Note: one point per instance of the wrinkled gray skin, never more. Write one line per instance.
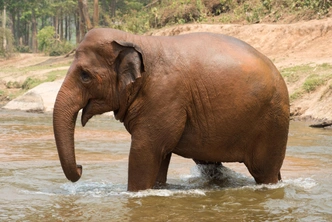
(209, 97)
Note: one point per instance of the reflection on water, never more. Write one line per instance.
(33, 187)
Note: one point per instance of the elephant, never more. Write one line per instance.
(205, 96)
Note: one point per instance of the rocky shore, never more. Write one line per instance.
(38, 99)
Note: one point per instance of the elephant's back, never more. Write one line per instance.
(232, 85)
(225, 64)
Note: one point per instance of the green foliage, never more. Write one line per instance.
(30, 83)
(296, 95)
(60, 48)
(292, 74)
(46, 38)
(13, 85)
(178, 12)
(139, 16)
(311, 77)
(312, 82)
(23, 48)
(217, 7)
(56, 74)
(319, 6)
(50, 45)
(133, 16)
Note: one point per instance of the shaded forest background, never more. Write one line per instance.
(57, 26)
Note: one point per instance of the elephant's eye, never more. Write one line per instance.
(85, 77)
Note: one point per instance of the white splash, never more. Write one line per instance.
(304, 183)
(165, 193)
(198, 183)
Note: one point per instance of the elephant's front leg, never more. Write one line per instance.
(144, 164)
(154, 137)
(162, 175)
(150, 154)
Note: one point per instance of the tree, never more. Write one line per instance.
(113, 8)
(34, 31)
(95, 13)
(25, 18)
(4, 45)
(85, 23)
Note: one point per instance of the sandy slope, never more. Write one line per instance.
(286, 45)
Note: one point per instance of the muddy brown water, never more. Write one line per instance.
(33, 187)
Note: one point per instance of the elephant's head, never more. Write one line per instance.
(104, 76)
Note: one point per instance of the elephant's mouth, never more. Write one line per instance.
(95, 107)
(86, 113)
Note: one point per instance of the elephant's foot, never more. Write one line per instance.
(265, 174)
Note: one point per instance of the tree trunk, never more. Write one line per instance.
(85, 23)
(321, 125)
(13, 26)
(18, 28)
(34, 32)
(61, 24)
(26, 34)
(113, 8)
(77, 24)
(95, 13)
(69, 27)
(4, 43)
(56, 25)
(66, 28)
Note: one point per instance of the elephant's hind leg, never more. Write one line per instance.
(265, 159)
(265, 166)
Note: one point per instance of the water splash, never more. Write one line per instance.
(199, 182)
(95, 189)
(165, 193)
(304, 183)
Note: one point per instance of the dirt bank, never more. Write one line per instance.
(303, 46)
(28, 70)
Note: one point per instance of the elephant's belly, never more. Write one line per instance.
(211, 149)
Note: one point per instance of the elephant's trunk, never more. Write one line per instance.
(64, 119)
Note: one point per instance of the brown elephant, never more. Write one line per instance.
(205, 96)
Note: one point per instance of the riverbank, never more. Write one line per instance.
(299, 50)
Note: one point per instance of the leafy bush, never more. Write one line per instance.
(296, 95)
(29, 83)
(217, 7)
(316, 5)
(312, 82)
(177, 12)
(140, 16)
(60, 48)
(46, 38)
(49, 44)
(13, 85)
(23, 48)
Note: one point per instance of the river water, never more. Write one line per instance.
(33, 186)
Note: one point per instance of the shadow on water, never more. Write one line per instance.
(33, 187)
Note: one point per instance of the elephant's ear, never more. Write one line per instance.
(129, 63)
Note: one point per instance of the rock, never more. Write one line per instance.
(38, 99)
